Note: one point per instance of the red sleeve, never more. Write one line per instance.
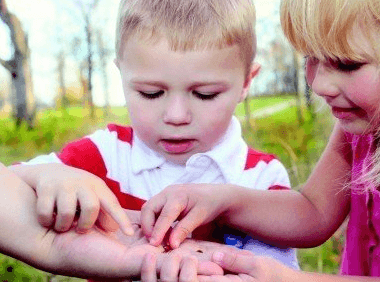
(84, 154)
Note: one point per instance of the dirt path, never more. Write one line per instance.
(264, 112)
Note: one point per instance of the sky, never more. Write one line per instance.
(49, 23)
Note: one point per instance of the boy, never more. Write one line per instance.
(185, 65)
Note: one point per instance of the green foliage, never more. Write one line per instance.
(297, 146)
(53, 129)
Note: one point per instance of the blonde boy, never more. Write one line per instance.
(184, 65)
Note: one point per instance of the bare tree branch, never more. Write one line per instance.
(7, 64)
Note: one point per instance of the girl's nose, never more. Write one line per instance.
(325, 81)
(177, 110)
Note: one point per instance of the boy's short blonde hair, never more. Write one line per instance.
(324, 28)
(189, 24)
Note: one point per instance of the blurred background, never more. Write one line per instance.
(58, 83)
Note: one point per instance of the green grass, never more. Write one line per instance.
(257, 103)
(297, 145)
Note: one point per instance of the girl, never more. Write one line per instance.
(341, 42)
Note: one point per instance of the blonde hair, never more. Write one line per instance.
(324, 28)
(189, 24)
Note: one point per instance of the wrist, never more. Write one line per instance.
(286, 274)
(231, 204)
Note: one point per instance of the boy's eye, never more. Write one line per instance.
(345, 65)
(204, 96)
(151, 95)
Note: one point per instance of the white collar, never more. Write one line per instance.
(143, 157)
(229, 154)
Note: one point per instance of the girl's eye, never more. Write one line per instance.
(345, 65)
(151, 95)
(202, 96)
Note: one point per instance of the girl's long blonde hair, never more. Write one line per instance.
(325, 28)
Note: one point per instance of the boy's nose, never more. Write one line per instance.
(325, 82)
(177, 111)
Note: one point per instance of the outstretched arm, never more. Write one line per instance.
(281, 218)
(244, 266)
(90, 255)
(291, 218)
(96, 254)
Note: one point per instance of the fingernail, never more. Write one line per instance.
(175, 244)
(217, 257)
(152, 241)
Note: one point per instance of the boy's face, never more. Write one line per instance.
(181, 103)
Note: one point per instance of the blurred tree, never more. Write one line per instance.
(295, 71)
(309, 100)
(73, 96)
(19, 67)
(103, 56)
(61, 80)
(87, 9)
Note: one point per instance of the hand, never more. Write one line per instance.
(175, 269)
(192, 258)
(245, 266)
(75, 192)
(192, 204)
(95, 254)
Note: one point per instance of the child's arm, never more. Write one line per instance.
(291, 218)
(285, 218)
(64, 192)
(95, 254)
(248, 267)
(22, 237)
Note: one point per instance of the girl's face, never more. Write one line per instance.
(351, 89)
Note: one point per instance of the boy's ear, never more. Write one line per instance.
(254, 71)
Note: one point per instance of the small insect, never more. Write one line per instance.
(165, 241)
(200, 251)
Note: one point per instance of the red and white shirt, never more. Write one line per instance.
(135, 173)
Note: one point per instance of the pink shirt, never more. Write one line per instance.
(362, 251)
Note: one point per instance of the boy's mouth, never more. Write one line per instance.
(177, 146)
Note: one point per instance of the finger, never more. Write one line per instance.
(185, 226)
(148, 213)
(237, 278)
(110, 204)
(212, 278)
(234, 262)
(148, 268)
(170, 268)
(209, 268)
(106, 222)
(167, 217)
(66, 208)
(45, 209)
(89, 210)
(189, 269)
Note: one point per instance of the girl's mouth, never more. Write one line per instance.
(346, 113)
